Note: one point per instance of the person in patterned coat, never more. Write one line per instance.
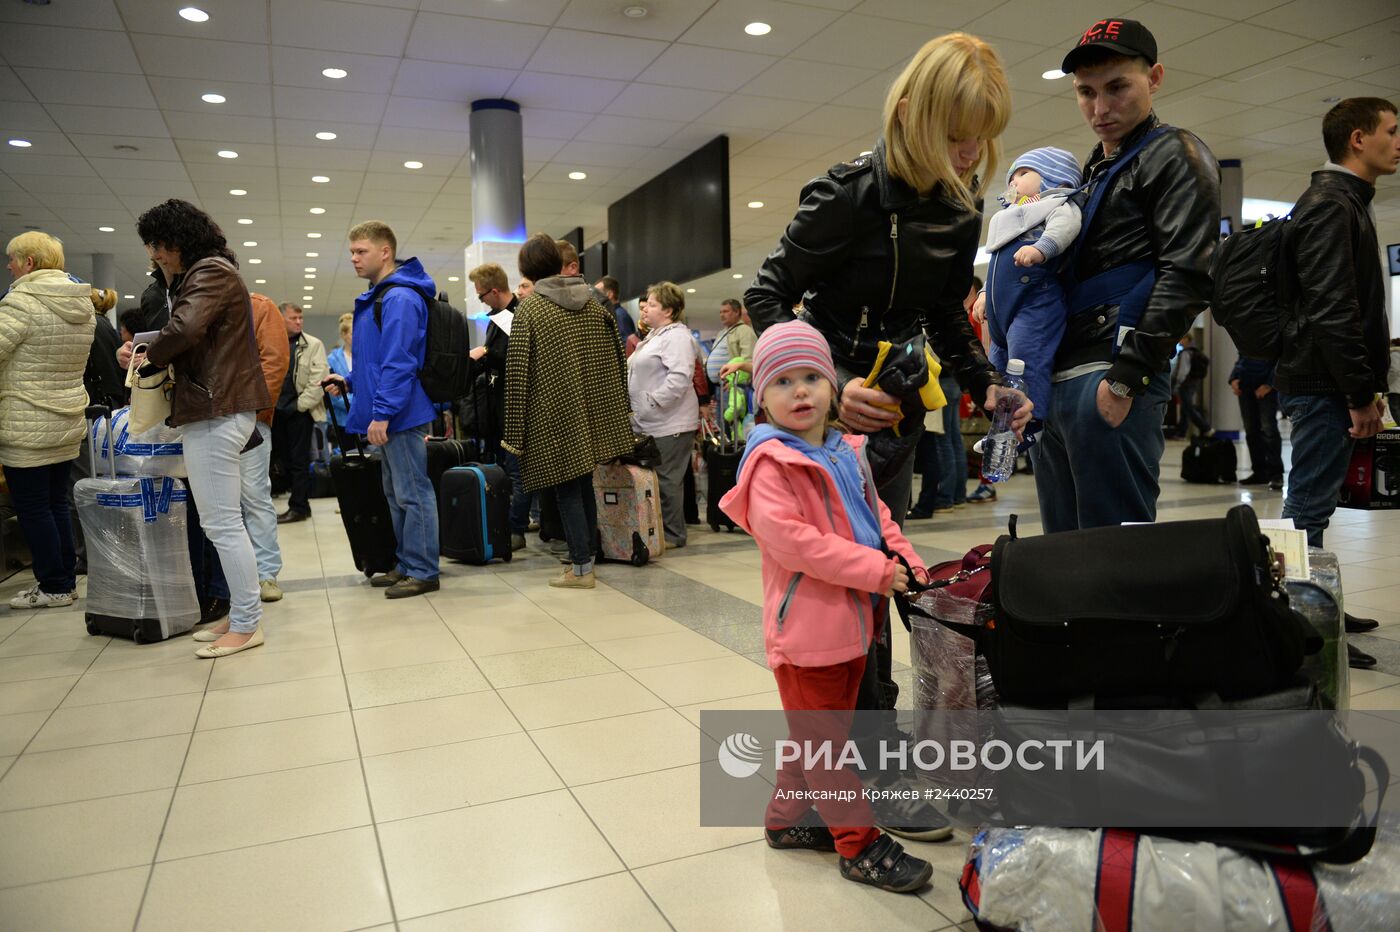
(566, 397)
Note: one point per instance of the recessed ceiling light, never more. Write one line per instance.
(755, 204)
(309, 268)
(738, 274)
(634, 12)
(325, 137)
(309, 275)
(320, 179)
(577, 176)
(259, 281)
(250, 243)
(454, 278)
(318, 210)
(227, 154)
(237, 192)
(255, 262)
(213, 98)
(1054, 74)
(129, 297)
(21, 143)
(313, 255)
(758, 29)
(412, 164)
(106, 229)
(313, 236)
(334, 73)
(194, 14)
(690, 291)
(245, 221)
(308, 287)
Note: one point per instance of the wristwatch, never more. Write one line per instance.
(1121, 389)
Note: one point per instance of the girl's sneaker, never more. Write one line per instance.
(885, 864)
(34, 597)
(809, 833)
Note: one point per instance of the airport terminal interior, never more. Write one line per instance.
(500, 754)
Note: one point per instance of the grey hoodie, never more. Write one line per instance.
(571, 293)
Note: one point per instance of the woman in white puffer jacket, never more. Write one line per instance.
(46, 328)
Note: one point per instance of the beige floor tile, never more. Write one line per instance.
(5, 763)
(1364, 681)
(754, 887)
(78, 904)
(401, 652)
(66, 663)
(420, 681)
(603, 904)
(66, 776)
(656, 650)
(767, 701)
(1357, 579)
(364, 631)
(272, 702)
(35, 695)
(265, 808)
(119, 721)
(51, 842)
(49, 641)
(450, 776)
(297, 637)
(484, 640)
(254, 668)
(439, 862)
(269, 747)
(1386, 698)
(578, 700)
(587, 752)
(466, 615)
(564, 604)
(523, 668)
(622, 625)
(655, 817)
(704, 680)
(427, 722)
(328, 882)
(17, 729)
(145, 683)
(120, 654)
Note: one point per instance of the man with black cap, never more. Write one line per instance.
(1135, 279)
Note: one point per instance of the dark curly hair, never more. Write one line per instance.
(179, 225)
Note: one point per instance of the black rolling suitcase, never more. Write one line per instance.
(358, 478)
(1210, 460)
(444, 454)
(722, 468)
(474, 514)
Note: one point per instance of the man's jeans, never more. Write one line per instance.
(212, 450)
(926, 464)
(1088, 474)
(1188, 392)
(1321, 451)
(578, 513)
(952, 458)
(259, 514)
(519, 500)
(1260, 418)
(412, 503)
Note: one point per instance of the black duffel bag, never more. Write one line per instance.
(1182, 608)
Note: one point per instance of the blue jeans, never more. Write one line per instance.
(578, 512)
(1260, 418)
(926, 463)
(952, 458)
(1088, 474)
(40, 498)
(1321, 452)
(412, 502)
(519, 500)
(259, 514)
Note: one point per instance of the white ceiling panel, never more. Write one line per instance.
(86, 14)
(538, 12)
(249, 154)
(370, 74)
(466, 40)
(441, 81)
(535, 150)
(348, 135)
(201, 60)
(945, 14)
(594, 55)
(423, 113)
(257, 180)
(630, 131)
(812, 81)
(18, 117)
(674, 103)
(754, 112)
(665, 19)
(52, 86)
(241, 97)
(11, 87)
(1322, 19)
(304, 103)
(579, 154)
(859, 38)
(1025, 21)
(836, 122)
(218, 127)
(1236, 46)
(229, 20)
(553, 124)
(325, 159)
(722, 26)
(296, 188)
(67, 49)
(430, 145)
(107, 121)
(340, 27)
(58, 187)
(707, 68)
(118, 170)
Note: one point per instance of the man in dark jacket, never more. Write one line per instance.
(1336, 354)
(1137, 278)
(1252, 381)
(488, 395)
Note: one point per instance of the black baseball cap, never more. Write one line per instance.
(1124, 36)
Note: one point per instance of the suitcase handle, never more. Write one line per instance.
(330, 413)
(95, 413)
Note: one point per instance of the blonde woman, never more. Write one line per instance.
(46, 328)
(660, 381)
(341, 361)
(881, 248)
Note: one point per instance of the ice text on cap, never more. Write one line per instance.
(1103, 29)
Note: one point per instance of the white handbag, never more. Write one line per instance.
(151, 395)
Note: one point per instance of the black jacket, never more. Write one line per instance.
(1338, 339)
(104, 378)
(1163, 208)
(870, 259)
(483, 410)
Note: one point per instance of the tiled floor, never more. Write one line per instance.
(498, 755)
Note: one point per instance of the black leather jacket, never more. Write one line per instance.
(869, 259)
(1163, 208)
(1338, 338)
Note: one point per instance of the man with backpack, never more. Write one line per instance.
(390, 406)
(1188, 375)
(1135, 279)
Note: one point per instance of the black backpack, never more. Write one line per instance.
(1200, 365)
(1252, 293)
(446, 374)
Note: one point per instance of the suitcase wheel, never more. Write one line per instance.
(640, 553)
(92, 627)
(137, 635)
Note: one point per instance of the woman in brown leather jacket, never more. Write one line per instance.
(219, 388)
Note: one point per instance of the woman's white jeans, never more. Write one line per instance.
(212, 458)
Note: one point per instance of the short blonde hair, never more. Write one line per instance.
(376, 232)
(956, 89)
(489, 276)
(347, 324)
(103, 300)
(45, 250)
(669, 296)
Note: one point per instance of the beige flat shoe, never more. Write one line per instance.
(208, 634)
(209, 653)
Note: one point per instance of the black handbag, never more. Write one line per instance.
(1177, 609)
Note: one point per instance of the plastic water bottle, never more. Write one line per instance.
(999, 446)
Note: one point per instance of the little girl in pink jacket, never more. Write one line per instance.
(806, 494)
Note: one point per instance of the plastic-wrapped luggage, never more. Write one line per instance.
(140, 585)
(160, 451)
(1319, 600)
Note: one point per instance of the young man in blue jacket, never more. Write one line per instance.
(389, 405)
